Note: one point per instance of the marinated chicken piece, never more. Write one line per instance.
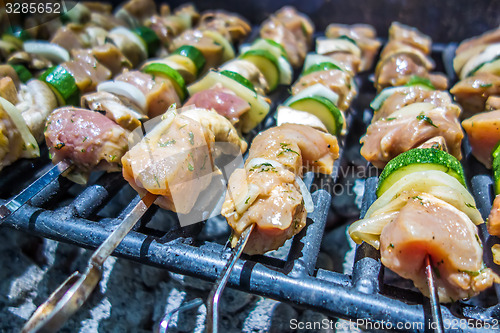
(211, 50)
(227, 24)
(336, 80)
(249, 71)
(493, 222)
(175, 159)
(266, 192)
(8, 90)
(159, 92)
(222, 100)
(493, 103)
(483, 131)
(87, 139)
(388, 137)
(365, 37)
(71, 36)
(36, 102)
(292, 30)
(473, 92)
(410, 95)
(410, 36)
(87, 71)
(349, 62)
(119, 109)
(138, 10)
(489, 37)
(399, 70)
(108, 55)
(429, 226)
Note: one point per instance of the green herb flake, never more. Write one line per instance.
(191, 138)
(285, 149)
(426, 119)
(60, 145)
(168, 143)
(486, 85)
(247, 200)
(84, 139)
(391, 246)
(436, 272)
(83, 150)
(470, 205)
(113, 157)
(190, 167)
(390, 119)
(471, 273)
(156, 179)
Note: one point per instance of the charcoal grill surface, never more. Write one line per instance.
(71, 214)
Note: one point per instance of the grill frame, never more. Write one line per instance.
(295, 280)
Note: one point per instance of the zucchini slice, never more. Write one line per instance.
(419, 159)
(63, 84)
(193, 54)
(171, 74)
(324, 109)
(267, 63)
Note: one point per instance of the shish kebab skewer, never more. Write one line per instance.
(267, 201)
(161, 135)
(126, 110)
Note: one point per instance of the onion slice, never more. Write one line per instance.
(306, 195)
(30, 149)
(125, 89)
(51, 51)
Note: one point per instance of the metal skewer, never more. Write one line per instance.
(220, 284)
(435, 307)
(70, 296)
(19, 200)
(165, 321)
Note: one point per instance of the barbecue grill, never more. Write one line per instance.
(364, 294)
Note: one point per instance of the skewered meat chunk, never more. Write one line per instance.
(159, 92)
(119, 109)
(222, 100)
(364, 36)
(8, 90)
(229, 25)
(175, 159)
(86, 138)
(410, 95)
(87, 71)
(494, 218)
(211, 50)
(292, 30)
(266, 192)
(108, 55)
(336, 80)
(429, 226)
(483, 131)
(408, 128)
(473, 92)
(410, 36)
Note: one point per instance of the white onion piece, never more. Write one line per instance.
(247, 201)
(132, 37)
(317, 89)
(286, 71)
(490, 53)
(306, 195)
(29, 141)
(125, 89)
(51, 51)
(370, 228)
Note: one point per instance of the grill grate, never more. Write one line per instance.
(295, 280)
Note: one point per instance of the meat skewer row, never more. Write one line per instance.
(304, 140)
(325, 83)
(86, 141)
(412, 109)
(170, 144)
(85, 73)
(425, 210)
(476, 63)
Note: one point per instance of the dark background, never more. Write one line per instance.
(443, 20)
